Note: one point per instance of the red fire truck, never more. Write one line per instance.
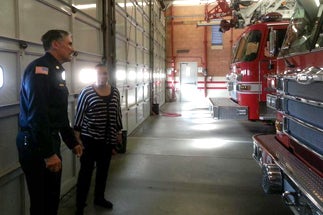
(292, 159)
(251, 64)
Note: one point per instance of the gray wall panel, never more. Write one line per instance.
(120, 23)
(140, 94)
(8, 18)
(132, 120)
(139, 37)
(70, 172)
(121, 4)
(146, 58)
(131, 31)
(121, 54)
(146, 110)
(93, 12)
(140, 74)
(87, 37)
(36, 18)
(131, 75)
(131, 97)
(11, 196)
(146, 92)
(131, 55)
(9, 91)
(8, 150)
(140, 113)
(134, 36)
(146, 6)
(28, 20)
(146, 24)
(139, 55)
(139, 16)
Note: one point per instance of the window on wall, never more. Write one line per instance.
(217, 42)
(1, 77)
(90, 7)
(87, 75)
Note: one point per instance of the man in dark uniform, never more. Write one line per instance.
(43, 119)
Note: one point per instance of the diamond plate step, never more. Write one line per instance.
(310, 183)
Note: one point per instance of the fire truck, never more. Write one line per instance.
(292, 159)
(251, 64)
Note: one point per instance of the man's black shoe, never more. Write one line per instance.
(79, 212)
(103, 203)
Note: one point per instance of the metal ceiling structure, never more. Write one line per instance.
(244, 12)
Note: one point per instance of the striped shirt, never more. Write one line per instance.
(99, 117)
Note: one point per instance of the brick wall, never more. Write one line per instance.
(188, 41)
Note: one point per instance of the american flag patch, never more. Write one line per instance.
(41, 70)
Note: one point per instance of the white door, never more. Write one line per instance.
(188, 80)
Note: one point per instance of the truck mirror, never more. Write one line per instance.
(272, 42)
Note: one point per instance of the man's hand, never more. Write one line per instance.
(119, 138)
(53, 163)
(78, 150)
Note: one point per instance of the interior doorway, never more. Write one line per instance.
(188, 80)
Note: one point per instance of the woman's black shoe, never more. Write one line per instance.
(103, 203)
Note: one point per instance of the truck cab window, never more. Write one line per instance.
(248, 47)
(319, 43)
(280, 35)
(238, 50)
(300, 32)
(251, 51)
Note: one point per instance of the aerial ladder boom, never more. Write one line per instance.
(249, 13)
(257, 10)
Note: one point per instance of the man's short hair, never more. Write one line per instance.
(52, 35)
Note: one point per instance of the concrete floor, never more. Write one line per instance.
(187, 165)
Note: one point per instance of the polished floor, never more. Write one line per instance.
(183, 162)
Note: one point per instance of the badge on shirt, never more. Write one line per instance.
(41, 70)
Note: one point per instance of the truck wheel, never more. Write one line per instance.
(271, 179)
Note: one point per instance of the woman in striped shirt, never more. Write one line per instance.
(98, 126)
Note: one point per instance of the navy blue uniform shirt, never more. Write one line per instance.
(43, 106)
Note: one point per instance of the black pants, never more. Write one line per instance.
(95, 153)
(43, 185)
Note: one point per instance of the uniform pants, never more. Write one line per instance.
(43, 185)
(95, 153)
(44, 188)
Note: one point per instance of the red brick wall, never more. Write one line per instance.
(187, 36)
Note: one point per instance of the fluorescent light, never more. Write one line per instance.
(130, 4)
(84, 6)
(123, 4)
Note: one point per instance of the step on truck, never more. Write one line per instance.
(251, 63)
(292, 159)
